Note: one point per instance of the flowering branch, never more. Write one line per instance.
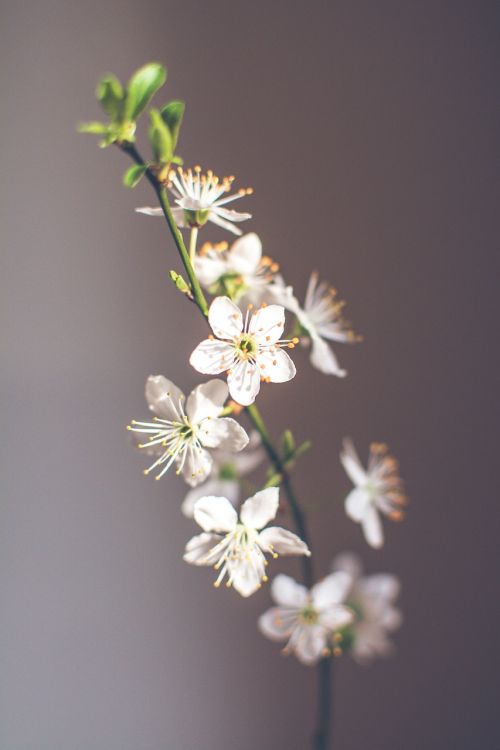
(200, 435)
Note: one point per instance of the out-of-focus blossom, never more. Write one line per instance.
(372, 598)
(377, 489)
(307, 619)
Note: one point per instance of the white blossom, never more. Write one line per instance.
(307, 619)
(377, 489)
(372, 598)
(237, 271)
(237, 547)
(187, 436)
(320, 321)
(227, 470)
(249, 350)
(200, 198)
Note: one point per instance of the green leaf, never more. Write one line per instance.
(160, 138)
(288, 444)
(172, 114)
(110, 93)
(133, 174)
(96, 128)
(143, 84)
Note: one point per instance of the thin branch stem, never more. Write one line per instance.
(322, 734)
(298, 517)
(192, 244)
(161, 194)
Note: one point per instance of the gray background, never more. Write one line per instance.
(368, 130)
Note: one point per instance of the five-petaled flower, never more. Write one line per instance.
(187, 435)
(378, 489)
(236, 272)
(237, 547)
(248, 350)
(200, 198)
(320, 321)
(372, 599)
(307, 619)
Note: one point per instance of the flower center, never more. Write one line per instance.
(237, 547)
(309, 615)
(246, 346)
(230, 285)
(186, 432)
(196, 216)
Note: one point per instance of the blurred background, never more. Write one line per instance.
(369, 133)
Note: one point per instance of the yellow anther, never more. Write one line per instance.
(396, 515)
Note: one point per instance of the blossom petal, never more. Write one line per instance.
(197, 465)
(225, 318)
(246, 575)
(331, 590)
(370, 642)
(372, 527)
(245, 461)
(206, 400)
(281, 294)
(197, 550)
(213, 217)
(381, 586)
(276, 365)
(288, 593)
(311, 290)
(282, 541)
(244, 382)
(230, 214)
(323, 358)
(209, 268)
(267, 324)
(337, 617)
(351, 463)
(309, 643)
(356, 504)
(212, 357)
(223, 433)
(214, 513)
(391, 618)
(222, 487)
(245, 254)
(149, 211)
(261, 508)
(277, 623)
(348, 562)
(163, 397)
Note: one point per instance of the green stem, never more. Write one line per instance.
(298, 517)
(161, 194)
(192, 244)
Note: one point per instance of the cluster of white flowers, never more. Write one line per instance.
(213, 452)
(256, 320)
